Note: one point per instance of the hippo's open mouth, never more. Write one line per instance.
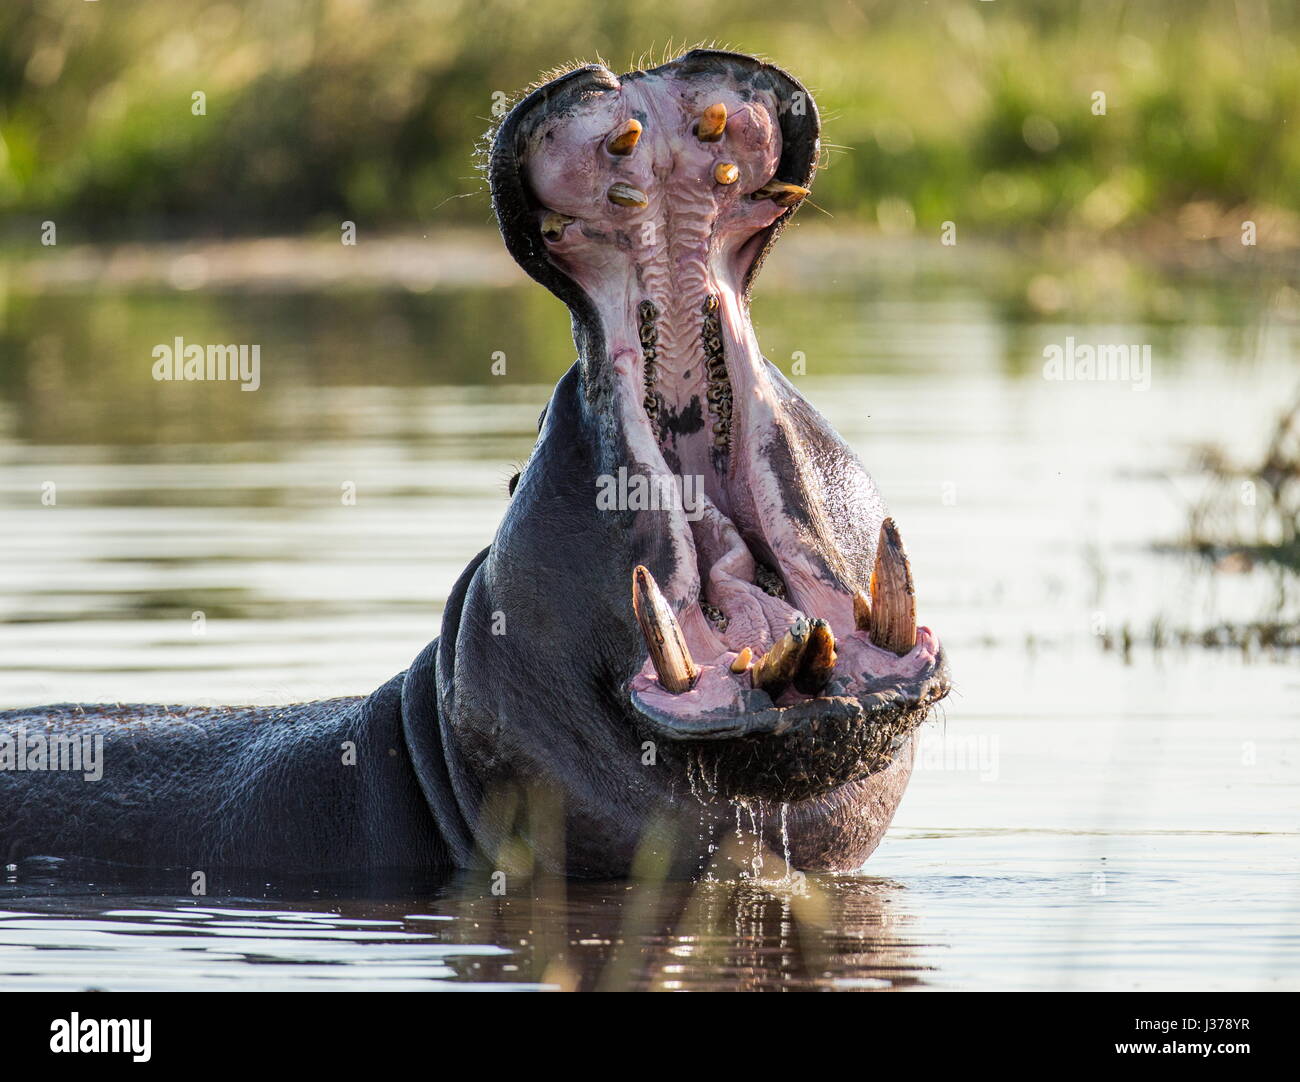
(780, 686)
(781, 650)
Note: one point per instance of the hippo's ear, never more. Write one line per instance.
(514, 205)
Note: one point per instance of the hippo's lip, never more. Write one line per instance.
(882, 707)
(807, 749)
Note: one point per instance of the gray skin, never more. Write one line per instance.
(534, 735)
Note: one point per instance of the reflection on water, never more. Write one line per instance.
(1081, 818)
(836, 933)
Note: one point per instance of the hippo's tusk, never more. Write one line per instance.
(742, 660)
(726, 173)
(818, 661)
(553, 225)
(673, 664)
(781, 193)
(893, 597)
(623, 141)
(627, 196)
(861, 610)
(775, 669)
(712, 123)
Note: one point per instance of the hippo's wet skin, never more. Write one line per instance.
(639, 663)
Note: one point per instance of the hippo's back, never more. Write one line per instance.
(323, 785)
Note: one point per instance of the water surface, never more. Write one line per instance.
(1082, 817)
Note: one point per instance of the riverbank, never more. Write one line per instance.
(1201, 240)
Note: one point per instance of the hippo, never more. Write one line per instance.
(695, 614)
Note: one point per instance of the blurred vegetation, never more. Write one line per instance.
(1251, 512)
(369, 110)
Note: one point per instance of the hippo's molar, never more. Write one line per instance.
(769, 581)
(715, 615)
(715, 362)
(649, 337)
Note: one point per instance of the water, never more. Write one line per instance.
(1082, 817)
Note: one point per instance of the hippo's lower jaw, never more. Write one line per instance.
(807, 749)
(772, 694)
(800, 746)
(762, 701)
(821, 707)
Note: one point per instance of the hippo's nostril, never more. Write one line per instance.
(781, 193)
(623, 140)
(726, 173)
(627, 196)
(712, 123)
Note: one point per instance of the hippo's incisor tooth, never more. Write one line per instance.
(673, 664)
(861, 610)
(627, 196)
(781, 193)
(818, 661)
(742, 660)
(623, 141)
(775, 669)
(553, 225)
(893, 597)
(726, 173)
(712, 123)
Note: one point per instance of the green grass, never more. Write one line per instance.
(369, 110)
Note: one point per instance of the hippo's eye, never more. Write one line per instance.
(512, 483)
